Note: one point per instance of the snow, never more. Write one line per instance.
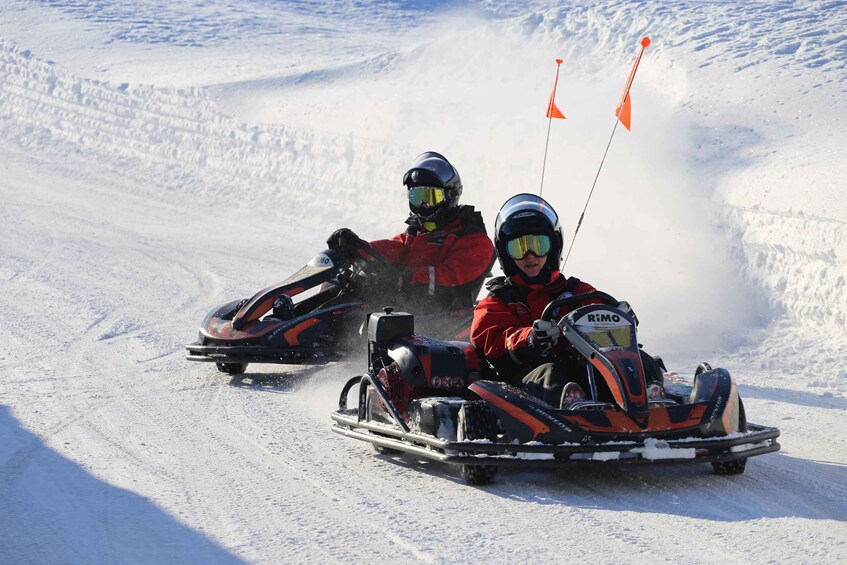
(158, 159)
(656, 449)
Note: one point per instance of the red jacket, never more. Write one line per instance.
(444, 268)
(503, 320)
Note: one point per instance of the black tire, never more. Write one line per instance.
(734, 467)
(729, 467)
(477, 421)
(231, 368)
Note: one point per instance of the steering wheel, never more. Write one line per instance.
(370, 255)
(558, 303)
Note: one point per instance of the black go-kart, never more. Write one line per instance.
(313, 317)
(431, 399)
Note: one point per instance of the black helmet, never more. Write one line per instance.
(432, 170)
(527, 214)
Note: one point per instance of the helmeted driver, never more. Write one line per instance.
(507, 328)
(440, 261)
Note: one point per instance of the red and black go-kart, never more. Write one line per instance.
(312, 317)
(426, 397)
(297, 321)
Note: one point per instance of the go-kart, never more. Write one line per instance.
(312, 317)
(431, 398)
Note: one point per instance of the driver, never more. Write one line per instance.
(506, 326)
(440, 262)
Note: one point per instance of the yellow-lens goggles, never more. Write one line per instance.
(420, 195)
(538, 245)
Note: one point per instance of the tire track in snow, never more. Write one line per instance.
(606, 505)
(306, 463)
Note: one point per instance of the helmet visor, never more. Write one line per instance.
(436, 165)
(520, 203)
(539, 245)
(420, 195)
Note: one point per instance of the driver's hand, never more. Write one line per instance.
(544, 336)
(346, 242)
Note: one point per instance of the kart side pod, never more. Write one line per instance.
(719, 391)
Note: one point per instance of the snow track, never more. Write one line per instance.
(129, 210)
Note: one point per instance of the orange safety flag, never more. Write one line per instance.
(552, 110)
(624, 109)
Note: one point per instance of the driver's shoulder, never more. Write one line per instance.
(581, 287)
(572, 285)
(504, 289)
(470, 220)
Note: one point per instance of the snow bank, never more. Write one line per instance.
(180, 138)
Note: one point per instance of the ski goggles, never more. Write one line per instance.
(420, 195)
(539, 245)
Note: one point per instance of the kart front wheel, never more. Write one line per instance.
(729, 467)
(733, 467)
(231, 368)
(477, 421)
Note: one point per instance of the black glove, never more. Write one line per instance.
(544, 336)
(345, 242)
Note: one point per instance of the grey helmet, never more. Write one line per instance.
(433, 170)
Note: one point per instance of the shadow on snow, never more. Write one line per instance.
(763, 491)
(55, 511)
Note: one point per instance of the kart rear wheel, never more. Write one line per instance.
(231, 368)
(477, 421)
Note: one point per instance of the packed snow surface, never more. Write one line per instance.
(160, 158)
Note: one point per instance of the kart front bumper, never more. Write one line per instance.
(758, 440)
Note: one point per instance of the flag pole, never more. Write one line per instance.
(552, 112)
(544, 163)
(597, 176)
(622, 115)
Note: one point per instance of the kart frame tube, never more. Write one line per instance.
(260, 354)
